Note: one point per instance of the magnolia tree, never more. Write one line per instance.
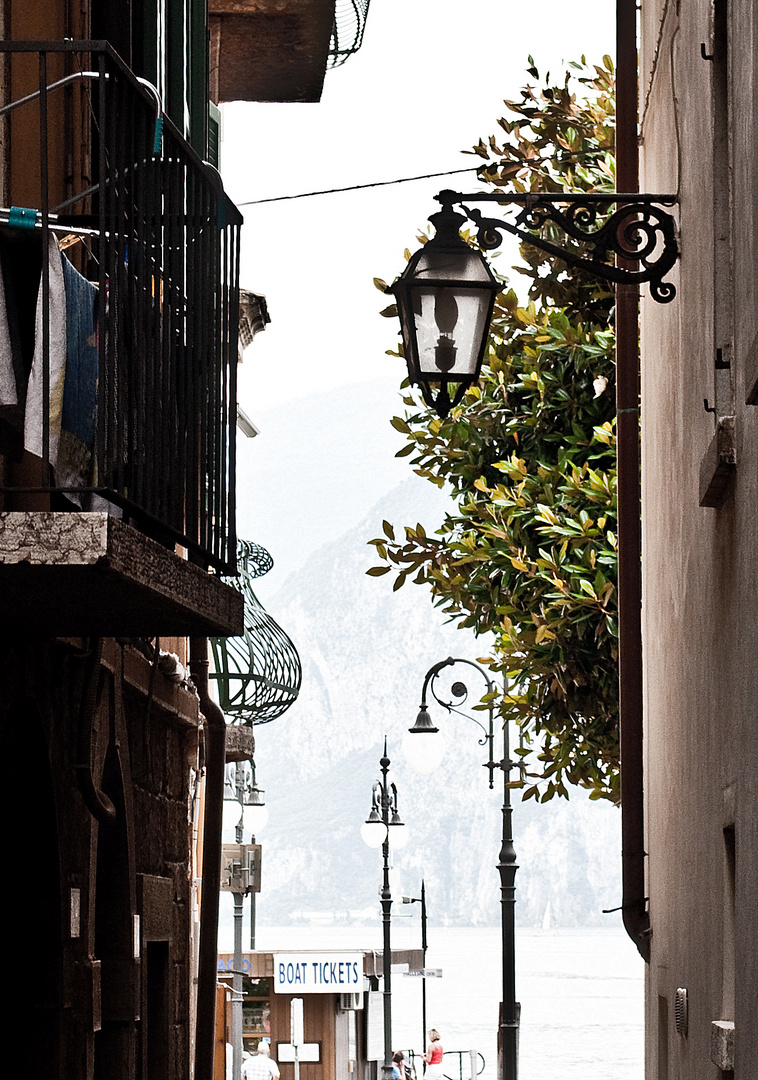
(528, 555)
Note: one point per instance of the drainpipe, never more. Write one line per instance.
(215, 750)
(634, 903)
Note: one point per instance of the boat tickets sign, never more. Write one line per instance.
(318, 973)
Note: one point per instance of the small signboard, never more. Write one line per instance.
(375, 1026)
(297, 1049)
(427, 973)
(318, 973)
(310, 1052)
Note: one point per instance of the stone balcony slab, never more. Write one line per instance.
(66, 574)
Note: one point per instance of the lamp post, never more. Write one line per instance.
(446, 294)
(384, 828)
(244, 810)
(423, 748)
(421, 900)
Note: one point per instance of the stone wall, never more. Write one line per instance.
(98, 749)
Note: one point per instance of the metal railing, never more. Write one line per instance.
(347, 33)
(160, 240)
(257, 675)
(456, 1064)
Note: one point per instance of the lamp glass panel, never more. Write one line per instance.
(424, 750)
(255, 818)
(463, 264)
(373, 833)
(406, 321)
(232, 814)
(398, 836)
(450, 324)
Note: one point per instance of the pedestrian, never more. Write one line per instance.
(261, 1066)
(398, 1065)
(433, 1056)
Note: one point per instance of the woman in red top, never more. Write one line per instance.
(433, 1056)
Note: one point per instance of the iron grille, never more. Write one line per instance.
(347, 34)
(258, 675)
(162, 245)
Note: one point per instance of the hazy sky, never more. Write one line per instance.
(428, 82)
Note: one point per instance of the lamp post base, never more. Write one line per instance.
(507, 1045)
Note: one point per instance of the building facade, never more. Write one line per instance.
(119, 282)
(698, 107)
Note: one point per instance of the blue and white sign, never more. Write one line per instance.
(318, 973)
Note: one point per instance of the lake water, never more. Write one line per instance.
(581, 994)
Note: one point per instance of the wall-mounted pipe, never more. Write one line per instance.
(215, 761)
(95, 799)
(634, 903)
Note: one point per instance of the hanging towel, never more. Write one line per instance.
(8, 390)
(33, 414)
(20, 267)
(75, 466)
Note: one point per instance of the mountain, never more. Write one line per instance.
(317, 467)
(365, 650)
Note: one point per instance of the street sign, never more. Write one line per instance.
(426, 973)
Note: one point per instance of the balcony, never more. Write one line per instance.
(269, 50)
(117, 420)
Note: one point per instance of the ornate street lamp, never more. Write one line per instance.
(244, 811)
(384, 828)
(445, 298)
(244, 802)
(420, 748)
(446, 294)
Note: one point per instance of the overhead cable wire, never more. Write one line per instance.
(359, 187)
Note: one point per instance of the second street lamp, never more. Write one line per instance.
(421, 900)
(423, 751)
(384, 828)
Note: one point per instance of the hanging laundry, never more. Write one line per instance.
(34, 411)
(20, 266)
(8, 393)
(75, 466)
(73, 359)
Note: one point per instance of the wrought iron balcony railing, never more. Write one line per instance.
(257, 675)
(149, 395)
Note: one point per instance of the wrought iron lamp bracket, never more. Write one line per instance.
(460, 692)
(639, 233)
(459, 712)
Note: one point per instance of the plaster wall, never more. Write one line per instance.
(700, 569)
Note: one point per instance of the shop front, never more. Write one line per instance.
(340, 1034)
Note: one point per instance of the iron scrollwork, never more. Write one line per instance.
(257, 675)
(639, 233)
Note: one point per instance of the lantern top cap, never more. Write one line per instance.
(448, 227)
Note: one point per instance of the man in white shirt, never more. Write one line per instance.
(260, 1066)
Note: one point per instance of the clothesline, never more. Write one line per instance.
(24, 217)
